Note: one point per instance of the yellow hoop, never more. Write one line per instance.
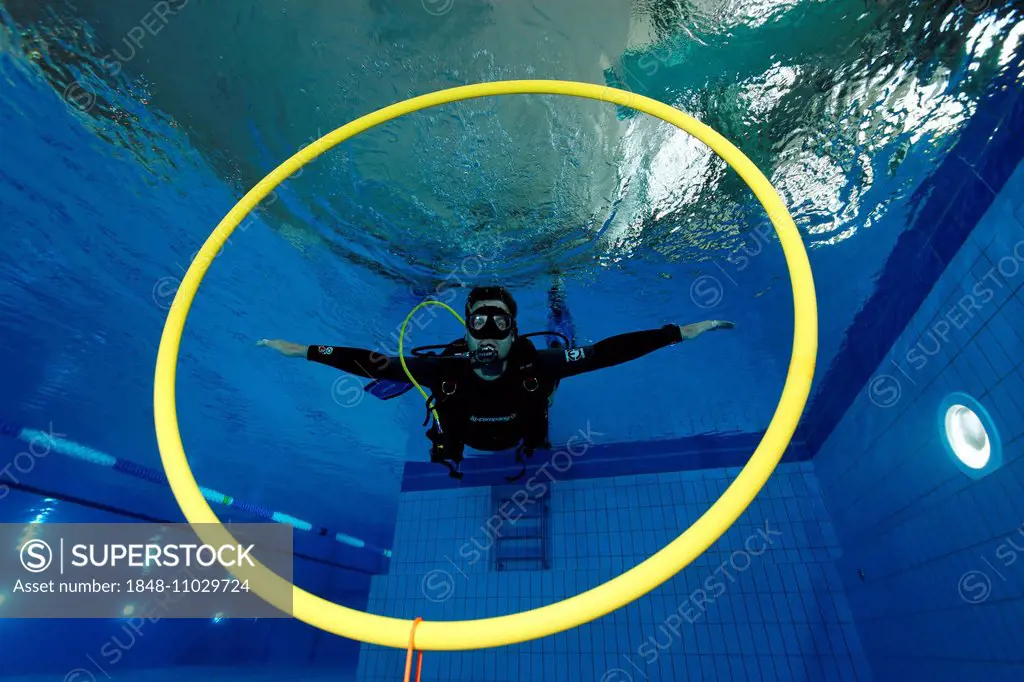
(596, 602)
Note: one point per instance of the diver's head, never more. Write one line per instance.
(490, 326)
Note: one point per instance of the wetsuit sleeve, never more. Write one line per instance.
(615, 350)
(373, 365)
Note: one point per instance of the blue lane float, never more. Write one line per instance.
(84, 453)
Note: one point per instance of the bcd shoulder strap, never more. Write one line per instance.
(446, 442)
(533, 405)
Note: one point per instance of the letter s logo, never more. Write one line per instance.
(36, 556)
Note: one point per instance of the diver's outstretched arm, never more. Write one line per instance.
(358, 361)
(622, 348)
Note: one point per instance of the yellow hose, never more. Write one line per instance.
(401, 342)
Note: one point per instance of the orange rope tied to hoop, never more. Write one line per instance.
(408, 656)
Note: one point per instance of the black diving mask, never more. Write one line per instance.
(490, 322)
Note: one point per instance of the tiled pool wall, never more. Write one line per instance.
(763, 603)
(933, 559)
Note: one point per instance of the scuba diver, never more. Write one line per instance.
(492, 389)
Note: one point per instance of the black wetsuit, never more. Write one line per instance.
(493, 422)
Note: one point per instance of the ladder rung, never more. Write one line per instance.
(521, 537)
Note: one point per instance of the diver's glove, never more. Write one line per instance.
(286, 348)
(692, 331)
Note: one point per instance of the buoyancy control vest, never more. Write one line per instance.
(453, 400)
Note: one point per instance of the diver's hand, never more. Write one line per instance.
(286, 348)
(692, 331)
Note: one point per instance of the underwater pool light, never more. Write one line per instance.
(967, 436)
(970, 436)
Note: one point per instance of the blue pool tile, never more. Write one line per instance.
(1005, 334)
(1003, 253)
(994, 352)
(986, 231)
(708, 670)
(1013, 311)
(1010, 491)
(1006, 400)
(980, 373)
(744, 668)
(830, 668)
(723, 669)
